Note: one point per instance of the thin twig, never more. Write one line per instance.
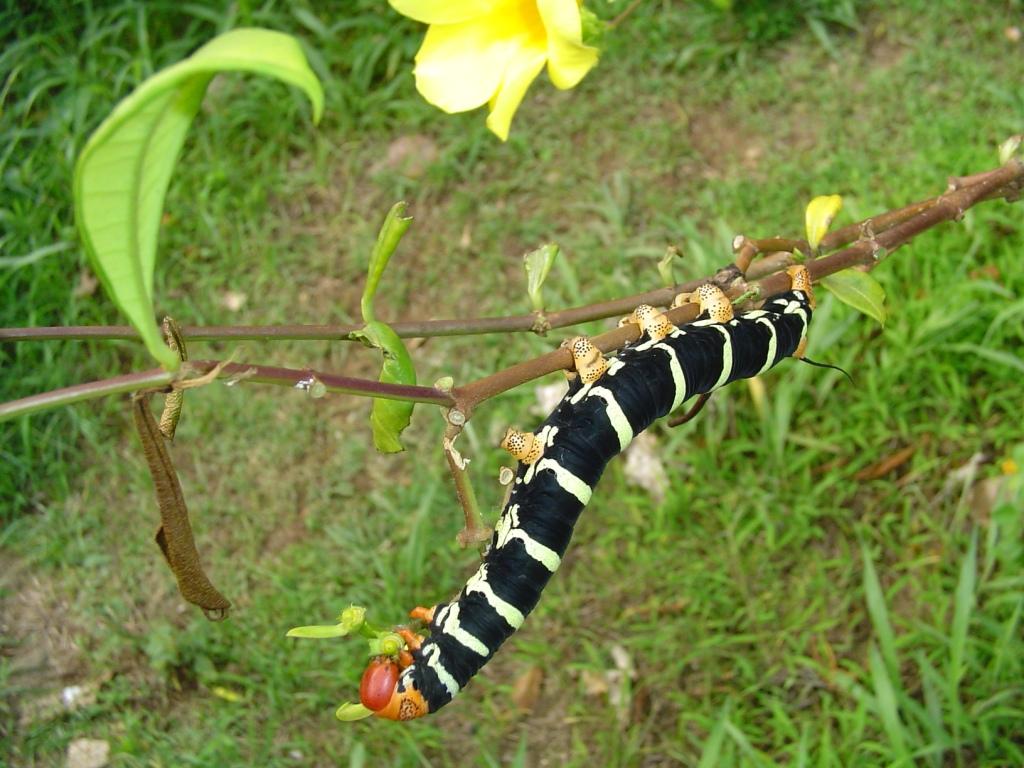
(475, 530)
(527, 323)
(315, 382)
(406, 330)
(946, 207)
(900, 227)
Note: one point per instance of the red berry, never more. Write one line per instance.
(378, 683)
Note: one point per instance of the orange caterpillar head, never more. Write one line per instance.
(378, 691)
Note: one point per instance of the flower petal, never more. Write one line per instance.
(443, 11)
(568, 59)
(522, 70)
(460, 66)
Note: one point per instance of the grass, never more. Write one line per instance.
(773, 609)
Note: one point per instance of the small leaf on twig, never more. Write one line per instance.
(860, 290)
(818, 217)
(391, 231)
(318, 631)
(538, 264)
(665, 270)
(389, 417)
(122, 174)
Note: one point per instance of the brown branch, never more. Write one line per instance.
(1006, 180)
(877, 235)
(406, 330)
(746, 249)
(308, 380)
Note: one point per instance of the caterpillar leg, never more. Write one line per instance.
(587, 359)
(652, 322)
(423, 614)
(523, 446)
(712, 301)
(800, 280)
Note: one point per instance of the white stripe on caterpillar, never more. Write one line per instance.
(508, 529)
(478, 583)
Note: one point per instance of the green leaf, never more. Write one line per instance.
(389, 417)
(349, 712)
(860, 290)
(122, 174)
(665, 270)
(538, 264)
(319, 631)
(391, 231)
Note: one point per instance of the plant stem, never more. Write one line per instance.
(118, 385)
(875, 235)
(948, 206)
(406, 330)
(235, 372)
(475, 530)
(992, 181)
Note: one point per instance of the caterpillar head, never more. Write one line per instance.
(380, 678)
(523, 446)
(389, 698)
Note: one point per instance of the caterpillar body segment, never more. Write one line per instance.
(596, 420)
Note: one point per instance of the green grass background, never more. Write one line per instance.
(773, 609)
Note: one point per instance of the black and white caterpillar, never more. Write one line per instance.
(609, 402)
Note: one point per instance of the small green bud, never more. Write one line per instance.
(668, 278)
(1011, 148)
(538, 264)
(352, 618)
(387, 644)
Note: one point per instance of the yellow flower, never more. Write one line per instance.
(818, 217)
(480, 52)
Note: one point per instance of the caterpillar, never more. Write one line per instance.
(609, 402)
